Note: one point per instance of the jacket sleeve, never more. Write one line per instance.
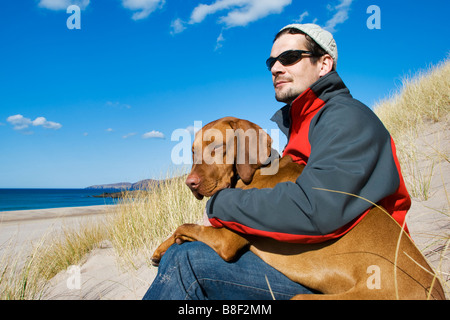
(350, 152)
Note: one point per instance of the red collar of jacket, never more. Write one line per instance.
(294, 119)
(310, 100)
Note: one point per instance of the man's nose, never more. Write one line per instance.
(277, 68)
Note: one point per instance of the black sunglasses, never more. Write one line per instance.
(287, 58)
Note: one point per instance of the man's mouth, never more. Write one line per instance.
(280, 83)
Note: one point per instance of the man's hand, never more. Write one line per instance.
(206, 222)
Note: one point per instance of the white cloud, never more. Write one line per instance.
(302, 17)
(62, 4)
(117, 105)
(41, 121)
(129, 135)
(143, 7)
(219, 41)
(240, 12)
(340, 16)
(109, 130)
(177, 26)
(20, 122)
(153, 134)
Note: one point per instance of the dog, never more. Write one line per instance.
(374, 260)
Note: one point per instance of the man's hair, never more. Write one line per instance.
(311, 45)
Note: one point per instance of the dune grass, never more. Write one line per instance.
(420, 107)
(146, 218)
(423, 100)
(24, 275)
(143, 219)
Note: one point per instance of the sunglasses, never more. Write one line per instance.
(287, 58)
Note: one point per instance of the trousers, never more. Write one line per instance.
(193, 271)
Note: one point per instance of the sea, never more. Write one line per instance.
(30, 199)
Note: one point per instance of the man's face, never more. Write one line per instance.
(290, 81)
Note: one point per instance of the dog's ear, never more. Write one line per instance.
(252, 148)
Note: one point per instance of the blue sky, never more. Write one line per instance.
(99, 104)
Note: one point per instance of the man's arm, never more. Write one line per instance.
(350, 152)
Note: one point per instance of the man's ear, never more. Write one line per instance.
(253, 147)
(326, 64)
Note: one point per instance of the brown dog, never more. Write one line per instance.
(374, 260)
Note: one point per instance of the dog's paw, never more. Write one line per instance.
(156, 259)
(155, 262)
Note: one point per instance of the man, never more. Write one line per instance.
(345, 148)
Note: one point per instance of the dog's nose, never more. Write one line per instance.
(193, 181)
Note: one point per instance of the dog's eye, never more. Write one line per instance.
(217, 149)
(220, 148)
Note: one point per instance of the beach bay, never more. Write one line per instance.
(101, 277)
(19, 229)
(42, 198)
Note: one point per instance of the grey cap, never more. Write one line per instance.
(322, 37)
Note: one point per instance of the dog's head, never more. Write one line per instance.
(224, 149)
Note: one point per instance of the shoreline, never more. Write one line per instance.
(52, 213)
(21, 229)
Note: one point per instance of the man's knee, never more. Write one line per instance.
(187, 254)
(180, 268)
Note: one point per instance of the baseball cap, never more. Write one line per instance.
(321, 36)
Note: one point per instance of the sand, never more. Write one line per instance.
(102, 276)
(25, 227)
(429, 220)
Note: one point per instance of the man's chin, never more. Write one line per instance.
(286, 97)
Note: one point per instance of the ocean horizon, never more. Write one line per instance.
(13, 199)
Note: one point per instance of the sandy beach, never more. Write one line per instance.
(101, 275)
(26, 226)
(54, 213)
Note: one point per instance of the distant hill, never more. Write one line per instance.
(123, 188)
(119, 186)
(143, 184)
